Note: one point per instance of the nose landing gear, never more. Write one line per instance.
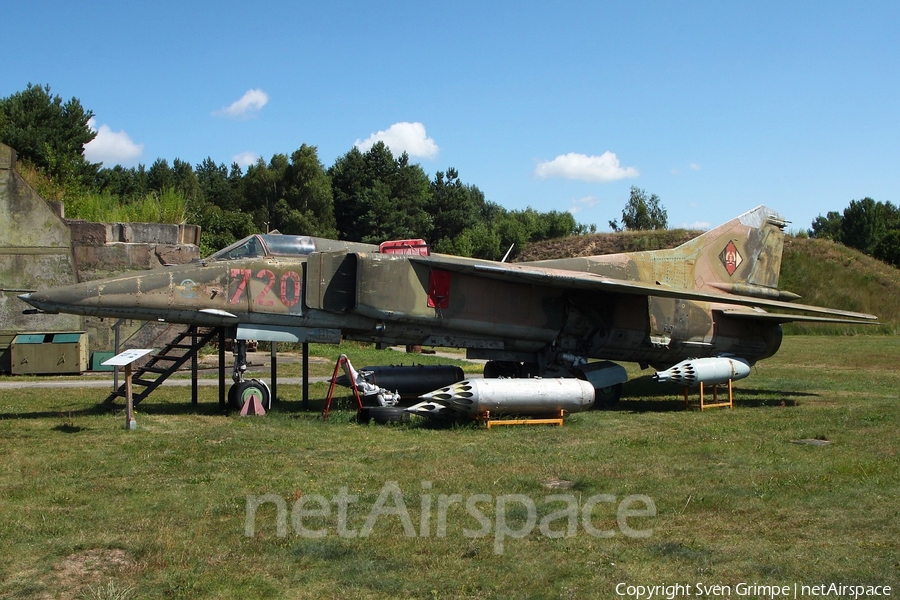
(243, 389)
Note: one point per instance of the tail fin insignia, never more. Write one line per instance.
(731, 258)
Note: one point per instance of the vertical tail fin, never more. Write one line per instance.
(742, 256)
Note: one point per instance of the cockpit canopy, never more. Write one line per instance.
(259, 245)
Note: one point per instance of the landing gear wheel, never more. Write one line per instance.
(240, 393)
(495, 368)
(382, 414)
(607, 397)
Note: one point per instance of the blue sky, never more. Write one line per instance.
(716, 107)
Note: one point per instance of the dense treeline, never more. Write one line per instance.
(367, 196)
(49, 134)
(869, 226)
(364, 196)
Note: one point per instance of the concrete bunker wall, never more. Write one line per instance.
(106, 249)
(40, 249)
(35, 251)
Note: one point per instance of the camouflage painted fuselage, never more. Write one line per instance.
(658, 308)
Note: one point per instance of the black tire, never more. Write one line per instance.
(607, 397)
(382, 415)
(241, 392)
(499, 368)
(491, 369)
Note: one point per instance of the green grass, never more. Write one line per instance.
(830, 274)
(88, 509)
(167, 206)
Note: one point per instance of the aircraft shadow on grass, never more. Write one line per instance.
(639, 395)
(64, 415)
(643, 394)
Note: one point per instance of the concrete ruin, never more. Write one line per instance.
(39, 248)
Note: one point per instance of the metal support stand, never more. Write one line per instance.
(130, 423)
(117, 349)
(273, 372)
(194, 366)
(486, 417)
(715, 403)
(222, 368)
(337, 367)
(305, 376)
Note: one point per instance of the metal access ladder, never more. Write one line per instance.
(165, 362)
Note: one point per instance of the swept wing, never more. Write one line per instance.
(559, 278)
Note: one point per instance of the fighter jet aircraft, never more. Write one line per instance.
(713, 301)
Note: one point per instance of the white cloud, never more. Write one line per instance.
(111, 147)
(245, 159)
(691, 166)
(697, 226)
(601, 168)
(248, 105)
(582, 203)
(403, 137)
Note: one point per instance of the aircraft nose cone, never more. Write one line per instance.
(61, 299)
(142, 295)
(39, 300)
(34, 299)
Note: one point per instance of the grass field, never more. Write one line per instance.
(90, 510)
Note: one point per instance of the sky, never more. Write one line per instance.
(714, 106)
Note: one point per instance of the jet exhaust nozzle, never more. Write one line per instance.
(713, 371)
